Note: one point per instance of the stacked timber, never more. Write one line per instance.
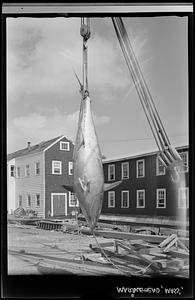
(138, 257)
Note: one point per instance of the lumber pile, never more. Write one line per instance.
(137, 257)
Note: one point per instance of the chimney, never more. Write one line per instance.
(28, 145)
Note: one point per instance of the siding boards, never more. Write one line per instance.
(32, 184)
(53, 182)
(150, 183)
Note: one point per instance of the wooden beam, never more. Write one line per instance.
(134, 236)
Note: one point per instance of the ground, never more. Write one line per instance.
(37, 251)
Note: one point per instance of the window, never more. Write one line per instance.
(161, 198)
(12, 171)
(18, 172)
(184, 156)
(20, 200)
(125, 170)
(37, 199)
(28, 200)
(111, 172)
(37, 168)
(111, 199)
(183, 198)
(140, 168)
(160, 169)
(27, 170)
(140, 198)
(73, 201)
(70, 168)
(65, 146)
(56, 167)
(125, 199)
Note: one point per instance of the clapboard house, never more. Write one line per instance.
(36, 176)
(147, 188)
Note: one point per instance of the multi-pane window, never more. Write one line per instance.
(56, 167)
(37, 199)
(125, 199)
(111, 172)
(184, 157)
(140, 198)
(28, 200)
(73, 201)
(161, 198)
(65, 146)
(18, 172)
(140, 168)
(160, 168)
(183, 197)
(37, 168)
(125, 170)
(111, 199)
(70, 168)
(27, 170)
(20, 200)
(12, 171)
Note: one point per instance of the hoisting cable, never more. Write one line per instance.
(168, 155)
(135, 80)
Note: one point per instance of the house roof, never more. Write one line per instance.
(137, 155)
(33, 149)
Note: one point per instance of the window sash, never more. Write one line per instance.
(56, 167)
(28, 200)
(125, 170)
(37, 168)
(27, 170)
(73, 201)
(111, 199)
(125, 201)
(38, 202)
(140, 198)
(111, 172)
(140, 168)
(183, 198)
(160, 169)
(70, 168)
(65, 146)
(161, 198)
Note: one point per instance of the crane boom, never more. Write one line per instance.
(168, 155)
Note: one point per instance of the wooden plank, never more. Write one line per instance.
(179, 254)
(170, 244)
(167, 240)
(134, 236)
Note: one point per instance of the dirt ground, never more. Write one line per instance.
(37, 251)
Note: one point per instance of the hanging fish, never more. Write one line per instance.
(88, 182)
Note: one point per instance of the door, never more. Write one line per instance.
(58, 204)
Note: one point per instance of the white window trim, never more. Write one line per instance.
(36, 200)
(187, 158)
(68, 146)
(122, 169)
(157, 198)
(111, 193)
(122, 192)
(140, 160)
(137, 199)
(17, 172)
(157, 168)
(109, 166)
(70, 168)
(38, 162)
(56, 161)
(179, 199)
(54, 194)
(27, 201)
(69, 201)
(26, 171)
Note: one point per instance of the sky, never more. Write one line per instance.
(43, 97)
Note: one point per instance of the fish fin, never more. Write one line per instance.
(109, 186)
(82, 143)
(85, 185)
(68, 188)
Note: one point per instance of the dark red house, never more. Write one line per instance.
(147, 187)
